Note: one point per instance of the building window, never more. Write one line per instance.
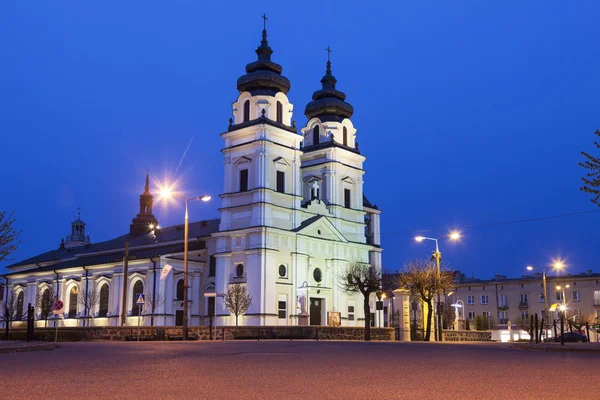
(576, 296)
(317, 275)
(179, 291)
(243, 180)
(19, 312)
(351, 313)
(502, 318)
(502, 301)
(103, 303)
(559, 296)
(72, 301)
(347, 203)
(597, 297)
(279, 112)
(282, 271)
(484, 299)
(524, 315)
(471, 315)
(280, 182)
(523, 298)
(316, 134)
(345, 136)
(212, 266)
(239, 270)
(541, 297)
(282, 309)
(470, 299)
(247, 111)
(138, 288)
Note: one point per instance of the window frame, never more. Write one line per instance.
(470, 299)
(280, 181)
(487, 299)
(244, 179)
(347, 198)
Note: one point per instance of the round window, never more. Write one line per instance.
(317, 275)
(282, 271)
(239, 270)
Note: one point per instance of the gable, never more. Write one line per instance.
(320, 227)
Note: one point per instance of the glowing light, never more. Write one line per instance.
(558, 264)
(454, 235)
(419, 238)
(558, 287)
(205, 198)
(529, 268)
(151, 226)
(562, 308)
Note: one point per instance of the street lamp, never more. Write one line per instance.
(557, 265)
(454, 235)
(166, 192)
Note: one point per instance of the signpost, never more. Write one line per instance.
(57, 310)
(140, 300)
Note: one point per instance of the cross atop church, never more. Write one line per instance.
(328, 49)
(264, 17)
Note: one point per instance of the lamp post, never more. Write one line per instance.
(438, 259)
(379, 295)
(166, 193)
(557, 265)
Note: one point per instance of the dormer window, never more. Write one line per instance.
(247, 111)
(316, 134)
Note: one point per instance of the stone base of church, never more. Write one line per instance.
(69, 334)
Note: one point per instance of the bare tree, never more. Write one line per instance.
(8, 236)
(88, 301)
(153, 303)
(237, 299)
(421, 278)
(44, 301)
(363, 278)
(9, 310)
(591, 180)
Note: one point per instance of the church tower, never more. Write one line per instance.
(141, 223)
(77, 237)
(332, 166)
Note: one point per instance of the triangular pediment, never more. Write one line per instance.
(348, 180)
(320, 227)
(243, 160)
(281, 160)
(312, 178)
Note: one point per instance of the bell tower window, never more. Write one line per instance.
(279, 112)
(316, 135)
(347, 203)
(243, 180)
(280, 182)
(247, 111)
(345, 136)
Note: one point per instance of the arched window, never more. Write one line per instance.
(279, 112)
(103, 304)
(180, 289)
(316, 134)
(247, 111)
(45, 306)
(239, 270)
(19, 313)
(138, 288)
(73, 302)
(345, 136)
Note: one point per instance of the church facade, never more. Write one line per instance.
(293, 215)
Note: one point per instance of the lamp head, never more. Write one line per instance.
(454, 235)
(419, 238)
(205, 198)
(529, 268)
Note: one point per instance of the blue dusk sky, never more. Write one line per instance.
(470, 113)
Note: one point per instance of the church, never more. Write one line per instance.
(293, 215)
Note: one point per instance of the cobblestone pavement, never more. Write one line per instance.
(294, 370)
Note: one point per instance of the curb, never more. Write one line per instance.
(559, 349)
(28, 348)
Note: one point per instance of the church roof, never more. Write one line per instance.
(63, 258)
(329, 103)
(263, 76)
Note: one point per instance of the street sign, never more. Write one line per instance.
(57, 307)
(165, 272)
(140, 299)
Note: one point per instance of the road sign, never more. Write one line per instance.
(165, 271)
(140, 299)
(57, 307)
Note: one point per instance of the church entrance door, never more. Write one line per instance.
(315, 310)
(178, 317)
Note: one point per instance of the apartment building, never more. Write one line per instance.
(503, 299)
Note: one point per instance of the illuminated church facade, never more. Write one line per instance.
(293, 215)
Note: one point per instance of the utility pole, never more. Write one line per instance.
(125, 276)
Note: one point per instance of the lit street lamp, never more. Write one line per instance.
(455, 235)
(167, 193)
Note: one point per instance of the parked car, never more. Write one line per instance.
(569, 337)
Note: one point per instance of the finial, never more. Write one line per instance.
(230, 121)
(147, 187)
(264, 32)
(328, 49)
(78, 212)
(263, 112)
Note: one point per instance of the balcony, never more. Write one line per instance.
(523, 304)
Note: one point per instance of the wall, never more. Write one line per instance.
(467, 336)
(203, 333)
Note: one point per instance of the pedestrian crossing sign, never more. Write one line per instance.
(140, 299)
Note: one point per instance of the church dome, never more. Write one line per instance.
(329, 103)
(263, 77)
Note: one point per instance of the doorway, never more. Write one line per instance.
(178, 317)
(315, 310)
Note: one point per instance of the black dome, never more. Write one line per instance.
(263, 76)
(329, 103)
